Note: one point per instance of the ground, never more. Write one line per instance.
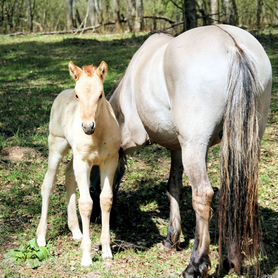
(33, 71)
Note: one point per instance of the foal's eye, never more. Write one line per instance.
(100, 96)
(76, 96)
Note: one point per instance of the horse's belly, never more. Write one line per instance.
(160, 128)
(152, 102)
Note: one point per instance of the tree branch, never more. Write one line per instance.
(176, 5)
(160, 17)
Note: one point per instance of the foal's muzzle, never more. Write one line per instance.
(89, 128)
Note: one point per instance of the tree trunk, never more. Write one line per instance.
(276, 13)
(190, 16)
(139, 18)
(205, 11)
(72, 15)
(94, 12)
(131, 15)
(259, 13)
(30, 10)
(214, 11)
(230, 11)
(69, 14)
(117, 14)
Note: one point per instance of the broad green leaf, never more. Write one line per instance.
(33, 244)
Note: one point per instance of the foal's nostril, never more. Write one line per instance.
(89, 128)
(92, 125)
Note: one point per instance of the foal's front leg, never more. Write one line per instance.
(107, 172)
(82, 174)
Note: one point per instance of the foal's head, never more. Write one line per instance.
(89, 92)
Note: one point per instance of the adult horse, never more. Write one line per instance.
(187, 93)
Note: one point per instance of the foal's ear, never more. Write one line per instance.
(75, 71)
(102, 70)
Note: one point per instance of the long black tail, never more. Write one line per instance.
(238, 209)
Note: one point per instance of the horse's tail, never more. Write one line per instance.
(239, 228)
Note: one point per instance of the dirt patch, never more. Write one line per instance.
(19, 154)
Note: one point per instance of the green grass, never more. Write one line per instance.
(33, 71)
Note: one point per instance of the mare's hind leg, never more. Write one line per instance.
(57, 148)
(71, 186)
(174, 192)
(194, 161)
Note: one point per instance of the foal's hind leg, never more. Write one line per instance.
(194, 161)
(57, 148)
(71, 186)
(174, 192)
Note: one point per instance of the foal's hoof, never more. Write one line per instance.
(86, 261)
(77, 235)
(106, 253)
(41, 241)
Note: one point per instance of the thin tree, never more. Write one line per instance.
(135, 15)
(131, 14)
(204, 12)
(30, 12)
(230, 12)
(214, 11)
(94, 12)
(276, 11)
(117, 15)
(190, 15)
(71, 14)
(259, 13)
(139, 18)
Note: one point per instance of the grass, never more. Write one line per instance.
(33, 71)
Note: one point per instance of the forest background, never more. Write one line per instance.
(22, 16)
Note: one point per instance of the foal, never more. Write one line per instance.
(83, 120)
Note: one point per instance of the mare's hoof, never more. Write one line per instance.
(172, 241)
(168, 244)
(231, 267)
(197, 270)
